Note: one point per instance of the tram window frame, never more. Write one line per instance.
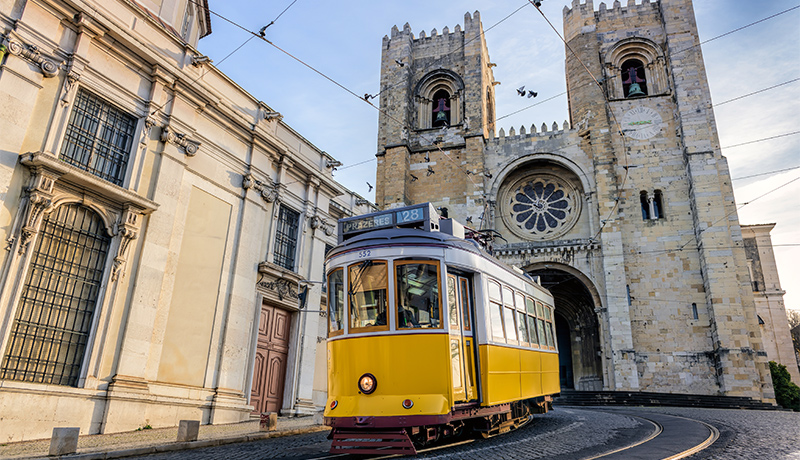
(350, 294)
(508, 304)
(333, 295)
(522, 323)
(464, 294)
(530, 309)
(496, 312)
(439, 304)
(541, 325)
(551, 333)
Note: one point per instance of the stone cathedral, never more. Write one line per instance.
(625, 212)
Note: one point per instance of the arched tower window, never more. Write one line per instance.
(636, 67)
(53, 320)
(658, 206)
(438, 96)
(440, 115)
(645, 204)
(634, 80)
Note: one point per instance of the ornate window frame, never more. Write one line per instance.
(53, 183)
(646, 51)
(428, 86)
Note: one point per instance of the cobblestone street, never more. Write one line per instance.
(565, 433)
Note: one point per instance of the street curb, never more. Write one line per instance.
(174, 446)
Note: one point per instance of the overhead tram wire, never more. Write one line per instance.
(695, 46)
(439, 148)
(736, 210)
(761, 140)
(766, 173)
(609, 110)
(203, 74)
(439, 60)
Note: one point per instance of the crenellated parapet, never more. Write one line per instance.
(544, 131)
(582, 14)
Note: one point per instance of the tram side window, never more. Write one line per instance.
(335, 302)
(548, 316)
(495, 312)
(530, 307)
(522, 323)
(368, 287)
(540, 324)
(418, 300)
(509, 315)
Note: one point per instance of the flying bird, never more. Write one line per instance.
(469, 219)
(413, 178)
(532, 94)
(399, 62)
(430, 171)
(521, 90)
(370, 187)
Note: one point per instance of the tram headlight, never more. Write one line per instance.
(408, 404)
(367, 383)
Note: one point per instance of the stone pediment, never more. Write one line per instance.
(279, 285)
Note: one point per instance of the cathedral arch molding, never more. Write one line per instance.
(543, 197)
(648, 53)
(430, 84)
(554, 158)
(581, 325)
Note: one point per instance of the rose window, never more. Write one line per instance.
(542, 207)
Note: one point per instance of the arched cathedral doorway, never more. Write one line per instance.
(577, 330)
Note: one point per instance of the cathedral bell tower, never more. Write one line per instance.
(437, 109)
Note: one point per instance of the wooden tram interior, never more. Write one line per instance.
(460, 344)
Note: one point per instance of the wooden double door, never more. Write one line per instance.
(272, 351)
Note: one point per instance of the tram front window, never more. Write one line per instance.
(418, 295)
(368, 283)
(335, 302)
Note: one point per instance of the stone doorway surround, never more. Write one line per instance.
(575, 306)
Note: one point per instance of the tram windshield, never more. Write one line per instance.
(418, 295)
(336, 302)
(368, 282)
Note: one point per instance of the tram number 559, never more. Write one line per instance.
(363, 254)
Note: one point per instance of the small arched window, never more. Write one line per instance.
(645, 205)
(634, 80)
(440, 113)
(658, 206)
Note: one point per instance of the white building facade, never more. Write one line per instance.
(160, 224)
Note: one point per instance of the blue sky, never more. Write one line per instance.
(343, 40)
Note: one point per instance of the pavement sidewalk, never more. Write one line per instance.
(150, 441)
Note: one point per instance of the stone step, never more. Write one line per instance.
(630, 398)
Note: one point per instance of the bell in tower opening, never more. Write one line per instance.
(633, 81)
(441, 109)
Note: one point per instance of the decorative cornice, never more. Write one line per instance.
(269, 192)
(128, 230)
(69, 86)
(40, 192)
(31, 52)
(168, 135)
(537, 249)
(319, 222)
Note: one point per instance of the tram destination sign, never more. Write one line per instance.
(423, 216)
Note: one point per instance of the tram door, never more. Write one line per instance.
(462, 345)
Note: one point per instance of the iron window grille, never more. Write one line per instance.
(52, 323)
(286, 238)
(98, 138)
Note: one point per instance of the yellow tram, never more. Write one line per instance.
(429, 335)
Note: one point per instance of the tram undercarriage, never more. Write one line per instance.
(404, 435)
